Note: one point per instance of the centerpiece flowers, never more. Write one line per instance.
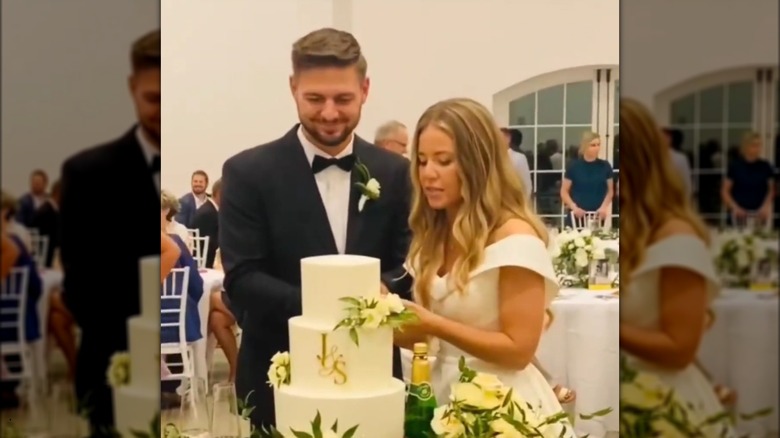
(572, 252)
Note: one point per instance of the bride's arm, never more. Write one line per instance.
(683, 307)
(521, 316)
(409, 336)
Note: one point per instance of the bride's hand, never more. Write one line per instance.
(423, 315)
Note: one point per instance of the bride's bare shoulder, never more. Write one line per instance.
(513, 226)
(673, 227)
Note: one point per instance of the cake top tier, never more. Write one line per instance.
(149, 269)
(327, 279)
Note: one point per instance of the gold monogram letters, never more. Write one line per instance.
(332, 362)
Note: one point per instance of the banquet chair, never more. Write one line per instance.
(17, 355)
(40, 247)
(751, 222)
(200, 247)
(590, 220)
(177, 291)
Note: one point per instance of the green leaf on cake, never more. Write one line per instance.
(301, 434)
(350, 432)
(353, 334)
(335, 427)
(350, 300)
(316, 426)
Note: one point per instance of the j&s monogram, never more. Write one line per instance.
(332, 364)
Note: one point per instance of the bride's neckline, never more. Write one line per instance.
(489, 247)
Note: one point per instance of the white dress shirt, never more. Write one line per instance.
(520, 164)
(682, 166)
(150, 152)
(334, 185)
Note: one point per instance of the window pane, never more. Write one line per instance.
(734, 141)
(740, 102)
(572, 142)
(529, 139)
(711, 103)
(688, 140)
(548, 199)
(579, 103)
(709, 193)
(683, 111)
(551, 106)
(521, 111)
(547, 138)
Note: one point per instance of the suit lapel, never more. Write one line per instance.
(354, 222)
(307, 194)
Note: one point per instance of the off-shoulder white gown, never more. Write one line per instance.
(478, 307)
(640, 307)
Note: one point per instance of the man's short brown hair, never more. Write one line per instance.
(145, 53)
(325, 48)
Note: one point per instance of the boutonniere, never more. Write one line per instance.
(369, 187)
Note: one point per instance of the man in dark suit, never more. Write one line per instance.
(47, 221)
(196, 198)
(296, 197)
(206, 221)
(100, 257)
(30, 202)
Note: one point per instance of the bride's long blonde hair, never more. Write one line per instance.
(651, 192)
(490, 189)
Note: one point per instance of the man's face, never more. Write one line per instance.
(37, 184)
(329, 102)
(198, 184)
(397, 142)
(145, 90)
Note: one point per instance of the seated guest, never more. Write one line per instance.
(169, 255)
(206, 221)
(9, 253)
(194, 293)
(23, 259)
(47, 221)
(169, 207)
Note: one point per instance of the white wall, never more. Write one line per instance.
(668, 42)
(227, 63)
(64, 81)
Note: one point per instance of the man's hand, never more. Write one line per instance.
(383, 291)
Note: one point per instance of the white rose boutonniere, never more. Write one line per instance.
(369, 187)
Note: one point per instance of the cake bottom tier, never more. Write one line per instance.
(135, 408)
(378, 414)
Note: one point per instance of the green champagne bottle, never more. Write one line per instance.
(420, 401)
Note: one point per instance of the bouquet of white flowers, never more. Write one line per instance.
(481, 406)
(572, 252)
(737, 251)
(649, 408)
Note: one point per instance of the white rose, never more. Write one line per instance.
(372, 318)
(599, 254)
(742, 258)
(281, 358)
(579, 242)
(382, 307)
(272, 380)
(581, 258)
(586, 232)
(373, 187)
(394, 303)
(446, 427)
(281, 373)
(504, 429)
(472, 395)
(488, 382)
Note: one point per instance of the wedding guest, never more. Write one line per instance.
(392, 136)
(169, 208)
(8, 256)
(514, 138)
(674, 139)
(129, 169)
(169, 255)
(47, 221)
(191, 202)
(749, 184)
(587, 184)
(206, 221)
(30, 202)
(194, 293)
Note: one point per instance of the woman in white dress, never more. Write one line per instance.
(670, 277)
(483, 275)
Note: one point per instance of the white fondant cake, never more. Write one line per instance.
(328, 372)
(136, 404)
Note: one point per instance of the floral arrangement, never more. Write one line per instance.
(481, 406)
(245, 410)
(648, 408)
(737, 251)
(572, 252)
(279, 371)
(371, 313)
(369, 187)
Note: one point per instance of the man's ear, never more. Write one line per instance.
(293, 84)
(131, 83)
(364, 87)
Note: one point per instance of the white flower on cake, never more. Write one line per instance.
(118, 373)
(279, 371)
(482, 406)
(369, 187)
(372, 313)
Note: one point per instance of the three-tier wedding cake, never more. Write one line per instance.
(344, 375)
(136, 404)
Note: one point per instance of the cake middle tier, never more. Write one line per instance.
(327, 361)
(144, 343)
(327, 279)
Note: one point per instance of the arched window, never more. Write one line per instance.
(552, 111)
(713, 112)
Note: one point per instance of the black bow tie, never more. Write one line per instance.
(321, 163)
(155, 167)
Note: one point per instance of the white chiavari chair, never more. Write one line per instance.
(175, 288)
(589, 220)
(17, 355)
(200, 248)
(40, 247)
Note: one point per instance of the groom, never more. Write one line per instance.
(297, 197)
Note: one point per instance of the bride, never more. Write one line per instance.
(671, 277)
(483, 275)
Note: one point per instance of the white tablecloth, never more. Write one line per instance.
(741, 351)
